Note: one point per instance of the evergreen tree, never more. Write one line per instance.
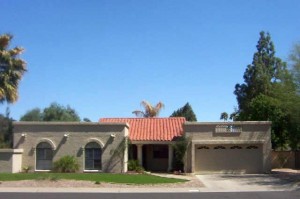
(267, 91)
(265, 70)
(185, 111)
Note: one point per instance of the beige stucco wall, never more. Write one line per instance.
(252, 133)
(27, 135)
(10, 160)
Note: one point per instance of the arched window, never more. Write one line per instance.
(252, 147)
(219, 147)
(235, 147)
(93, 153)
(44, 156)
(203, 147)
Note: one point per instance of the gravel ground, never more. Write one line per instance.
(193, 182)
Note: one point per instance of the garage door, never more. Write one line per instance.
(228, 159)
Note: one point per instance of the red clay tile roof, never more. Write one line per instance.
(151, 129)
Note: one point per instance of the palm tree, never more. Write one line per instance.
(12, 69)
(224, 116)
(150, 111)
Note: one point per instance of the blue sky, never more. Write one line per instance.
(103, 57)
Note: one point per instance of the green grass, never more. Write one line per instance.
(100, 177)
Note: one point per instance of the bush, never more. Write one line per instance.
(66, 164)
(180, 148)
(26, 169)
(133, 165)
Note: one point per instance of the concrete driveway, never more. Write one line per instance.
(277, 181)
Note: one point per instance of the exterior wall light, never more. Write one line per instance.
(66, 135)
(113, 135)
(24, 135)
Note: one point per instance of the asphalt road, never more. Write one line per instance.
(227, 195)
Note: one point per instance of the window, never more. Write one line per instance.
(93, 153)
(44, 156)
(160, 151)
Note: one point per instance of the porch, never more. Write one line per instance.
(156, 157)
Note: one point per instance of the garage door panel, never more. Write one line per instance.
(228, 159)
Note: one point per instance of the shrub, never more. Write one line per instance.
(133, 165)
(180, 148)
(140, 169)
(66, 164)
(26, 169)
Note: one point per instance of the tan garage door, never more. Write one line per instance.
(228, 159)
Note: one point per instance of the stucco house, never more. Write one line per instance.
(219, 147)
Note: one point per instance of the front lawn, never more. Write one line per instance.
(96, 177)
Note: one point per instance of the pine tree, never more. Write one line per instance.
(185, 111)
(260, 76)
(267, 91)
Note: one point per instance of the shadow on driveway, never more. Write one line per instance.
(276, 180)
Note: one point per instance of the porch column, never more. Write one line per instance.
(193, 158)
(140, 153)
(170, 159)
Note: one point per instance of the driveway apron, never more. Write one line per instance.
(233, 183)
